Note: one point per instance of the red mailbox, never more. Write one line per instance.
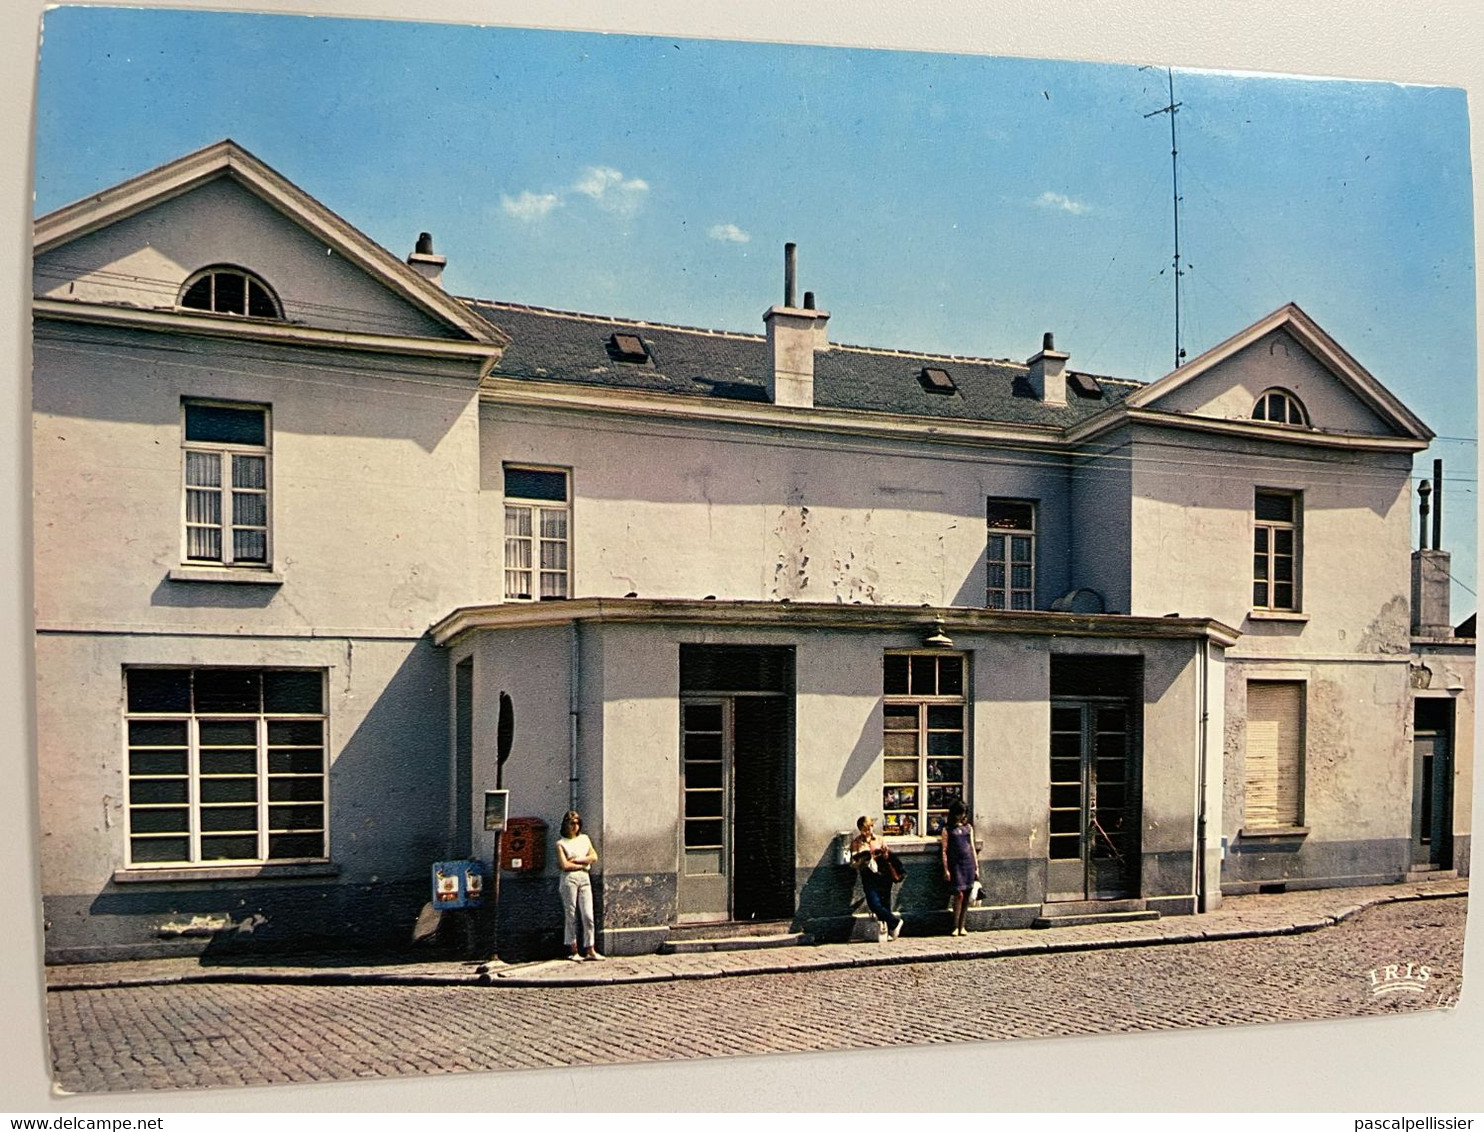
(523, 845)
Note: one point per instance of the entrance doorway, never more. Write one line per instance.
(1094, 843)
(736, 784)
(1432, 784)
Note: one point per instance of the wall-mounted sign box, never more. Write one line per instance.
(496, 807)
(458, 884)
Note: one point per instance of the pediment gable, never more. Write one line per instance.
(1286, 352)
(138, 244)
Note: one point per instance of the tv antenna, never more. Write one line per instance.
(1172, 109)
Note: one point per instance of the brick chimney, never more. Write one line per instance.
(794, 334)
(1431, 573)
(1048, 372)
(424, 262)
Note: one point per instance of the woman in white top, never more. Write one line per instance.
(576, 857)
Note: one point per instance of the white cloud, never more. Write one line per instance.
(610, 190)
(728, 233)
(529, 206)
(1062, 203)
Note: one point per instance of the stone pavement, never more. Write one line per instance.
(1239, 917)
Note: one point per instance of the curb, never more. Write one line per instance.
(482, 977)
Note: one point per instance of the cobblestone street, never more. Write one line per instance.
(201, 1035)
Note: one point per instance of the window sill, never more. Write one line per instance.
(225, 872)
(913, 845)
(1276, 833)
(1277, 615)
(229, 574)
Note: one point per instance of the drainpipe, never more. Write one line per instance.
(574, 661)
(1201, 880)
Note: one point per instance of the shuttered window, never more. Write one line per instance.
(1275, 756)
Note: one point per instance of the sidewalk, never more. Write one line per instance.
(1239, 917)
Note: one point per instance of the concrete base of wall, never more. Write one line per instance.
(154, 922)
(1299, 884)
(632, 941)
(1301, 862)
(1173, 905)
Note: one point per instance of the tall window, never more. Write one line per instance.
(1275, 550)
(1010, 555)
(226, 483)
(1275, 756)
(923, 741)
(230, 290)
(536, 522)
(226, 765)
(1278, 406)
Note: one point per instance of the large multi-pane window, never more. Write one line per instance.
(1010, 555)
(1275, 551)
(536, 538)
(225, 765)
(226, 483)
(924, 765)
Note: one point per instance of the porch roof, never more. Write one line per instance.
(824, 615)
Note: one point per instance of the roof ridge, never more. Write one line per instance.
(612, 320)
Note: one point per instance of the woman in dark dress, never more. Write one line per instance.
(960, 863)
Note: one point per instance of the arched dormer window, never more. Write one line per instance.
(230, 290)
(1278, 406)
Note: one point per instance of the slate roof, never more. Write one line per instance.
(570, 348)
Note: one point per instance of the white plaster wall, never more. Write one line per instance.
(1011, 744)
(1192, 542)
(1230, 390)
(531, 665)
(145, 259)
(386, 745)
(374, 485)
(1357, 758)
(669, 510)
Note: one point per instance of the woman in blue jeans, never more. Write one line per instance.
(868, 855)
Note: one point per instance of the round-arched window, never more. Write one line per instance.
(1278, 406)
(230, 290)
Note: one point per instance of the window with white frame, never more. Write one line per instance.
(225, 765)
(230, 290)
(536, 533)
(1274, 776)
(226, 505)
(1010, 555)
(924, 766)
(1275, 551)
(1279, 406)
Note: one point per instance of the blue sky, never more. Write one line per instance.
(951, 203)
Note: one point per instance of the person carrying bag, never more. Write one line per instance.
(879, 869)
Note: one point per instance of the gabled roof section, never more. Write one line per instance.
(228, 159)
(572, 349)
(1325, 350)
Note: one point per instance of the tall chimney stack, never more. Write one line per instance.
(1047, 372)
(424, 262)
(1431, 573)
(794, 334)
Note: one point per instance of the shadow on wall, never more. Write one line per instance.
(388, 793)
(211, 595)
(828, 898)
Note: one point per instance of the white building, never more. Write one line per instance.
(302, 517)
